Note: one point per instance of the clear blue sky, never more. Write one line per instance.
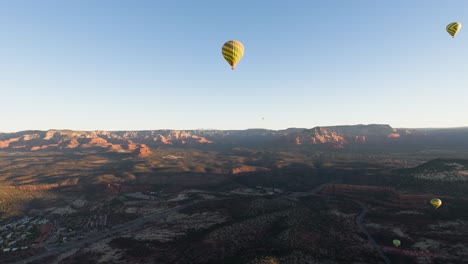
(134, 65)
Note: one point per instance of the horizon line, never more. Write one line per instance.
(215, 129)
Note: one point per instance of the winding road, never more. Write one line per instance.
(128, 226)
(359, 219)
(137, 223)
(359, 222)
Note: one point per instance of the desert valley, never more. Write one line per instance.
(322, 195)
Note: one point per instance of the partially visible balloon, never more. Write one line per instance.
(396, 242)
(436, 202)
(453, 28)
(233, 51)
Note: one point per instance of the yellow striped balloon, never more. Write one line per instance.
(436, 202)
(233, 51)
(453, 28)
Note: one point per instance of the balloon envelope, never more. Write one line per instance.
(232, 52)
(453, 28)
(436, 202)
(396, 242)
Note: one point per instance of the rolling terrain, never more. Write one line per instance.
(322, 195)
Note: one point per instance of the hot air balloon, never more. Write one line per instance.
(436, 202)
(233, 51)
(396, 242)
(453, 28)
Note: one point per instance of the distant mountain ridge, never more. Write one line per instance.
(141, 142)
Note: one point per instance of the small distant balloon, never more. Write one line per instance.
(453, 28)
(233, 51)
(436, 202)
(396, 242)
